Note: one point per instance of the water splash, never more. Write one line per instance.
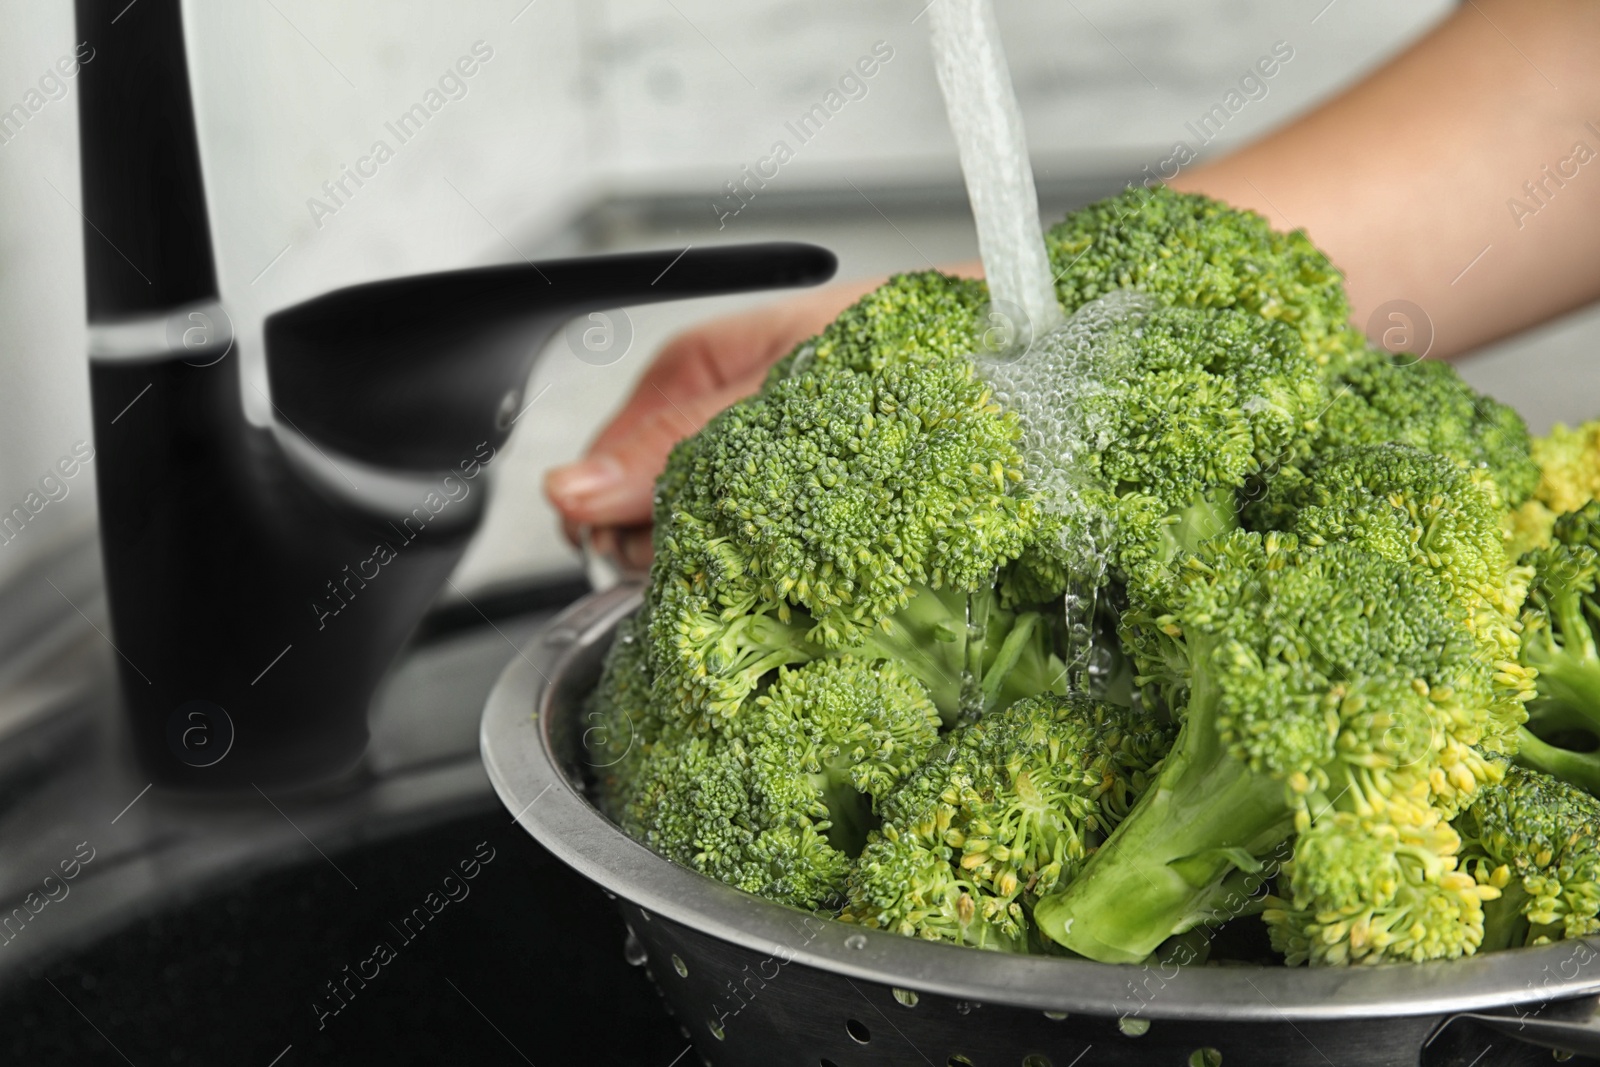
(1052, 387)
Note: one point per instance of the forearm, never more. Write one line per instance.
(1408, 180)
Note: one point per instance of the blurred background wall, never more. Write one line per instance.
(590, 124)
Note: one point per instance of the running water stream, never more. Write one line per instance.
(1047, 366)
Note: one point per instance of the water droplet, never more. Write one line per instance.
(1055, 1016)
(906, 997)
(1133, 1027)
(856, 941)
(633, 950)
(679, 966)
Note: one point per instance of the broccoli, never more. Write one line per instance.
(1406, 504)
(848, 511)
(1569, 477)
(1377, 400)
(1006, 809)
(1537, 841)
(1309, 681)
(1363, 890)
(620, 719)
(779, 800)
(1561, 624)
(1197, 252)
(849, 685)
(1184, 409)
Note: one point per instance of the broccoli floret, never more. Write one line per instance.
(1569, 477)
(779, 800)
(1180, 409)
(1007, 808)
(1196, 252)
(1562, 623)
(1376, 400)
(844, 510)
(1408, 505)
(1308, 681)
(1536, 840)
(1364, 890)
(910, 320)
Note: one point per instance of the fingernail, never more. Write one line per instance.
(584, 480)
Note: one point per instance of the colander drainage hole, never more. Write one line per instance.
(1205, 1057)
(958, 1060)
(858, 1031)
(826, 1063)
(1036, 1059)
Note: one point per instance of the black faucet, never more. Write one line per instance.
(261, 580)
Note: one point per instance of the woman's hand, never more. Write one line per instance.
(696, 375)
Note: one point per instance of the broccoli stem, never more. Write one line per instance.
(1000, 658)
(1157, 874)
(1504, 925)
(850, 810)
(1581, 769)
(1209, 516)
(1571, 688)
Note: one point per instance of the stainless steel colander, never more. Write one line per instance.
(755, 983)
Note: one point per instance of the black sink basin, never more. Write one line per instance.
(331, 928)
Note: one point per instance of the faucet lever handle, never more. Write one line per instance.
(414, 372)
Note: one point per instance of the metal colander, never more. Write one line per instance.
(755, 983)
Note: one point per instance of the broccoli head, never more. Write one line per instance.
(1537, 840)
(779, 800)
(1365, 890)
(1408, 505)
(620, 718)
(1569, 477)
(1426, 405)
(1192, 251)
(1308, 681)
(1006, 808)
(910, 320)
(1143, 422)
(845, 510)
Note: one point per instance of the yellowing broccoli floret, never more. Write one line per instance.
(1569, 477)
(1009, 808)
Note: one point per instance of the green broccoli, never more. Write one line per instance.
(779, 800)
(1409, 505)
(1004, 810)
(849, 684)
(621, 719)
(1308, 681)
(1537, 841)
(848, 511)
(1178, 411)
(1562, 624)
(1377, 400)
(1196, 252)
